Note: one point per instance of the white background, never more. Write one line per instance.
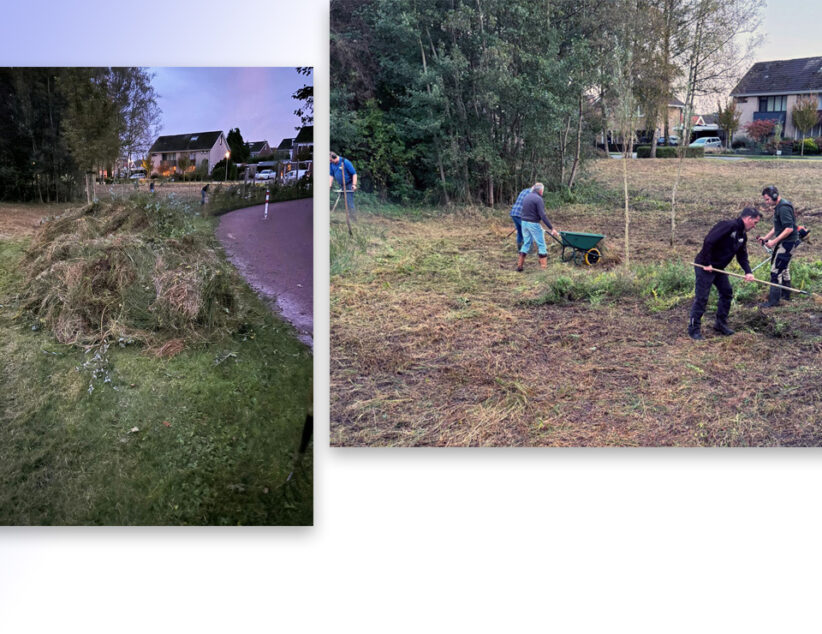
(470, 540)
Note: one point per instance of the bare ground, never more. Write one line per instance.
(433, 341)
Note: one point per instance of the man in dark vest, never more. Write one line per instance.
(783, 239)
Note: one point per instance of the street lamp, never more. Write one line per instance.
(227, 154)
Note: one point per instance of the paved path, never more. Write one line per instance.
(275, 256)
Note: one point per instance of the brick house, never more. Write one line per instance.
(770, 90)
(258, 148)
(203, 149)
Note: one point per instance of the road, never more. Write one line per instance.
(275, 256)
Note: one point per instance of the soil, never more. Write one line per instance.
(20, 219)
(275, 256)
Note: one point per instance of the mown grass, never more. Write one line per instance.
(113, 434)
(436, 340)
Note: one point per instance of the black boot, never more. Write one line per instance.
(773, 298)
(721, 326)
(694, 329)
(786, 295)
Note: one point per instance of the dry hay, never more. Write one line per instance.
(105, 271)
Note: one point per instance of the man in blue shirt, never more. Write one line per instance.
(533, 210)
(516, 214)
(344, 173)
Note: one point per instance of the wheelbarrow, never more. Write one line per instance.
(579, 247)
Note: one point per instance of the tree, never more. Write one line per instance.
(805, 116)
(240, 153)
(760, 129)
(306, 95)
(183, 162)
(137, 110)
(728, 119)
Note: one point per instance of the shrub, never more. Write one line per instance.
(741, 142)
(644, 151)
(811, 146)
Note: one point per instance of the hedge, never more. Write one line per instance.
(644, 151)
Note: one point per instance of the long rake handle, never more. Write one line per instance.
(787, 288)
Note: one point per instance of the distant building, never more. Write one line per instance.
(203, 149)
(259, 148)
(303, 146)
(770, 90)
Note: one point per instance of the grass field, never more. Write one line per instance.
(154, 419)
(437, 341)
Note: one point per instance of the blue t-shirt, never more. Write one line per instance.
(336, 170)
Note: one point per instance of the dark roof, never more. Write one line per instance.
(710, 119)
(782, 76)
(256, 146)
(285, 144)
(305, 135)
(186, 142)
(673, 101)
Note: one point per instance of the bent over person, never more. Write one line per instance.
(783, 239)
(726, 240)
(533, 210)
(516, 214)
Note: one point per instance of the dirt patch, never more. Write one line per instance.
(21, 220)
(437, 341)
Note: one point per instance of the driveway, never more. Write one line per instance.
(275, 256)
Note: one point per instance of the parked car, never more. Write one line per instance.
(671, 140)
(710, 143)
(265, 175)
(293, 176)
(137, 175)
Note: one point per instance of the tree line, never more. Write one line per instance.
(470, 100)
(60, 126)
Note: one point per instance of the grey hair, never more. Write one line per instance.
(538, 187)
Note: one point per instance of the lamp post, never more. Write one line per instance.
(227, 154)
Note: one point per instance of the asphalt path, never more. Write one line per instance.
(275, 256)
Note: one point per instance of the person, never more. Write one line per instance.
(344, 173)
(726, 239)
(783, 239)
(203, 194)
(533, 210)
(151, 187)
(516, 214)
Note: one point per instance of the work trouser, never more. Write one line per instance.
(532, 233)
(704, 281)
(518, 224)
(781, 258)
(349, 199)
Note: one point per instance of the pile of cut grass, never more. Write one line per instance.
(139, 269)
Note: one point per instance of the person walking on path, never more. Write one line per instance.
(726, 239)
(783, 239)
(533, 210)
(516, 214)
(344, 173)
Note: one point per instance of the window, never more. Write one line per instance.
(778, 103)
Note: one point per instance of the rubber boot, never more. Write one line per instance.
(694, 329)
(543, 261)
(721, 326)
(521, 261)
(773, 298)
(787, 295)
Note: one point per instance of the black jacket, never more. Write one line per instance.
(725, 240)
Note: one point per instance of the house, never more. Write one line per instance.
(770, 90)
(706, 125)
(284, 149)
(259, 148)
(303, 146)
(202, 149)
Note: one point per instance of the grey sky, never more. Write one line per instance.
(791, 29)
(255, 99)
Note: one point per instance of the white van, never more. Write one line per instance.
(710, 143)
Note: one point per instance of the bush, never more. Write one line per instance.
(811, 146)
(644, 151)
(742, 142)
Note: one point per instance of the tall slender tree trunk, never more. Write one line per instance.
(578, 153)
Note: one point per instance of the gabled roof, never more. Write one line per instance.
(305, 135)
(285, 144)
(186, 142)
(676, 103)
(256, 146)
(802, 75)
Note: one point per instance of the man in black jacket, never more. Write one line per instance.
(727, 238)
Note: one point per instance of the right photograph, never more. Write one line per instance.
(573, 223)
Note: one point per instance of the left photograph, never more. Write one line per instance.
(156, 296)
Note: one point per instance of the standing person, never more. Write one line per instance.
(344, 173)
(203, 194)
(727, 238)
(516, 214)
(783, 239)
(151, 187)
(533, 210)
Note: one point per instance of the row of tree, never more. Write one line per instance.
(469, 100)
(60, 126)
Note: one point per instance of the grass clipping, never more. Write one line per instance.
(137, 270)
